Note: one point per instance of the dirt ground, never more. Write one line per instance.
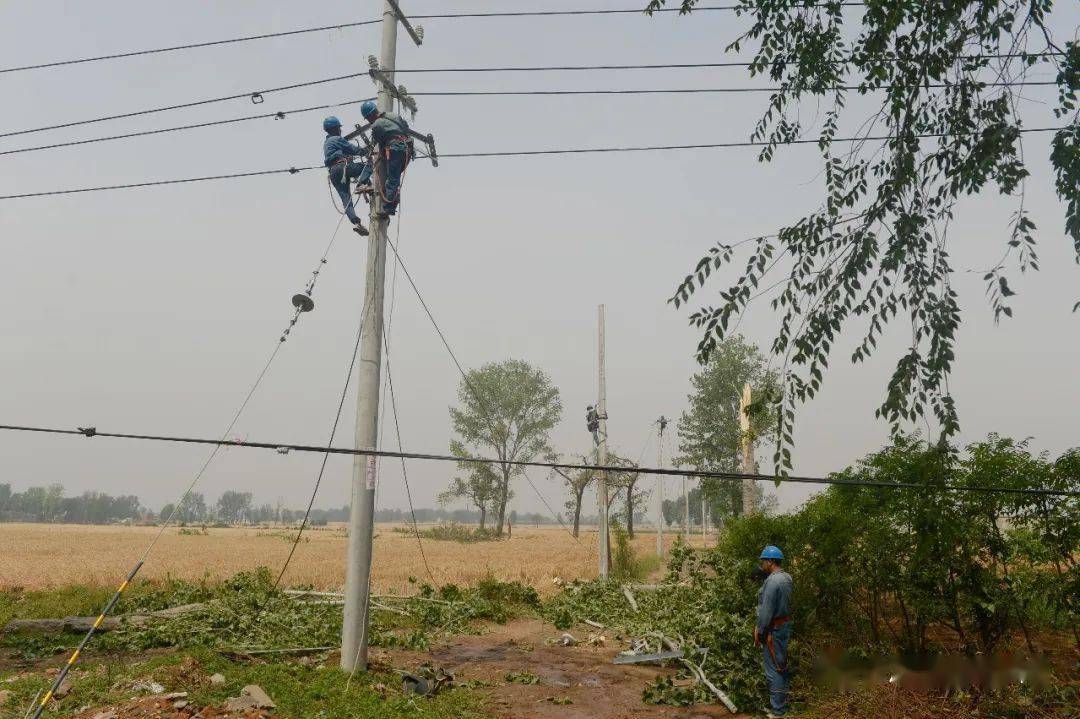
(582, 674)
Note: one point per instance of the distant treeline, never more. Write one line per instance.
(48, 504)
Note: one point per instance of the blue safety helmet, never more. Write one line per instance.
(369, 108)
(330, 123)
(771, 552)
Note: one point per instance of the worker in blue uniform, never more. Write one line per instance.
(391, 135)
(772, 631)
(338, 156)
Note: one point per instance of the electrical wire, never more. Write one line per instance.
(363, 23)
(282, 114)
(329, 444)
(468, 382)
(670, 471)
(254, 96)
(517, 153)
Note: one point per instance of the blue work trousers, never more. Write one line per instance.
(776, 666)
(340, 175)
(397, 158)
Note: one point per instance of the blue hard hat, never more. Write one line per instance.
(369, 108)
(771, 552)
(330, 123)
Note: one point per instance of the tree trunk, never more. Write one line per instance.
(630, 510)
(577, 509)
(483, 516)
(504, 490)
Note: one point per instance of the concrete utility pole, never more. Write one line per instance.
(601, 458)
(747, 452)
(354, 630)
(663, 422)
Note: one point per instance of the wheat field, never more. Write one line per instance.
(35, 556)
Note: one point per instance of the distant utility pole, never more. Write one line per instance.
(663, 423)
(747, 452)
(354, 630)
(704, 516)
(601, 458)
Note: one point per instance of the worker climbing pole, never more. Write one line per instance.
(339, 157)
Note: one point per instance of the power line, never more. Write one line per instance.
(279, 115)
(363, 23)
(513, 153)
(674, 66)
(256, 97)
(282, 114)
(672, 472)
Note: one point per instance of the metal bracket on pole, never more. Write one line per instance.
(398, 91)
(416, 34)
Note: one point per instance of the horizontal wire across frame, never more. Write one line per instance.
(673, 472)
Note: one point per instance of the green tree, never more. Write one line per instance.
(233, 506)
(577, 481)
(943, 76)
(480, 486)
(710, 433)
(193, 509)
(508, 408)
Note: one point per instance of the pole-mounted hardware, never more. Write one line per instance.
(417, 33)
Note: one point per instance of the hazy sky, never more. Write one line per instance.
(152, 310)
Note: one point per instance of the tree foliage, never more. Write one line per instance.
(880, 566)
(947, 126)
(710, 432)
(479, 486)
(508, 408)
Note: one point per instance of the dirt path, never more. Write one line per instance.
(582, 675)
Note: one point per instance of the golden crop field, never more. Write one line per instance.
(49, 555)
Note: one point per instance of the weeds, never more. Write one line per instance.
(452, 532)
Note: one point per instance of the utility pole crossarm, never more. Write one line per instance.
(417, 33)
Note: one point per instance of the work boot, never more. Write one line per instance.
(358, 228)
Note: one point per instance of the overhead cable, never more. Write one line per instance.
(255, 97)
(668, 471)
(282, 114)
(363, 23)
(509, 153)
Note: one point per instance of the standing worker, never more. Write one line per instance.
(337, 156)
(773, 628)
(391, 135)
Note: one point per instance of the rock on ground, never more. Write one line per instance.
(251, 697)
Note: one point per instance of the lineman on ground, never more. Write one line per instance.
(390, 134)
(337, 156)
(773, 628)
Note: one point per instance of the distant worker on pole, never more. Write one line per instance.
(592, 422)
(773, 628)
(391, 136)
(338, 154)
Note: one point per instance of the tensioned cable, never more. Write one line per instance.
(393, 400)
(344, 26)
(517, 153)
(39, 705)
(252, 95)
(329, 443)
(668, 471)
(468, 382)
(256, 96)
(282, 114)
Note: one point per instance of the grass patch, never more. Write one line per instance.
(299, 690)
(453, 532)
